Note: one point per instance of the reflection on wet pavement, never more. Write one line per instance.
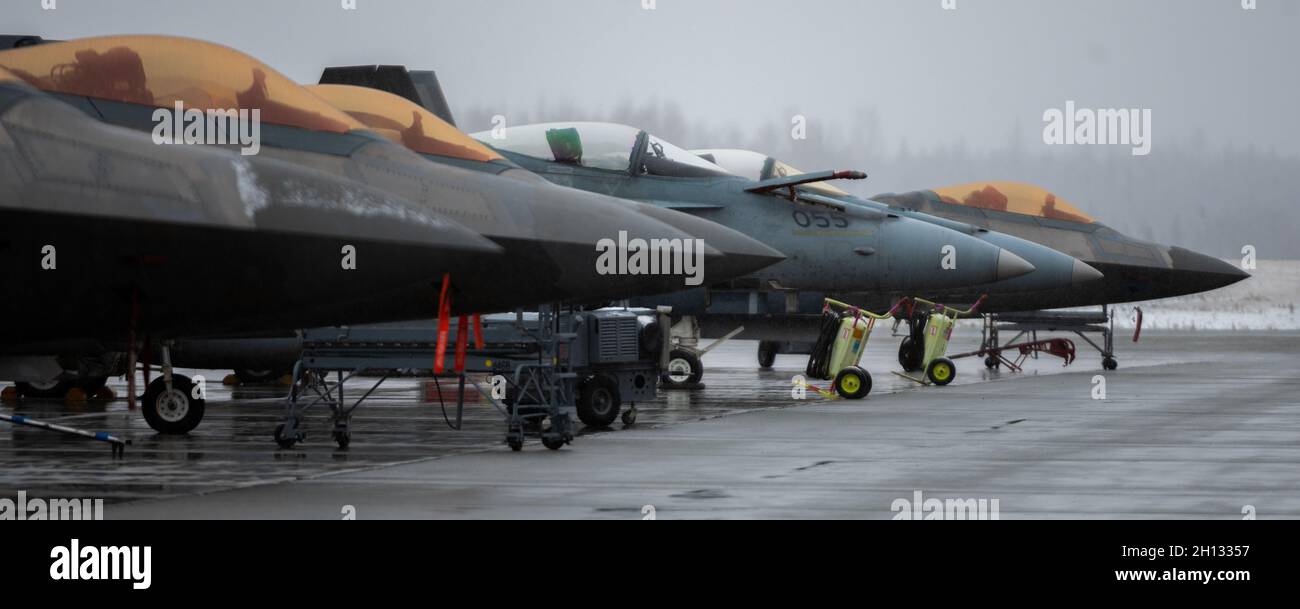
(402, 422)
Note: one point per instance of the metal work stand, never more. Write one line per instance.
(1080, 323)
(533, 356)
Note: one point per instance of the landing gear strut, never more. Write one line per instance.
(172, 403)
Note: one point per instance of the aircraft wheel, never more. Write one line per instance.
(909, 355)
(174, 411)
(941, 371)
(53, 388)
(991, 362)
(599, 401)
(684, 368)
(1109, 363)
(767, 354)
(853, 383)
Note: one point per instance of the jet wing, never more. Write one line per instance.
(805, 178)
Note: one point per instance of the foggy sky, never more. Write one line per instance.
(917, 95)
(972, 75)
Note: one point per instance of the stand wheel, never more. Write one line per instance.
(853, 383)
(909, 355)
(991, 362)
(516, 444)
(1109, 363)
(941, 371)
(684, 368)
(599, 401)
(629, 416)
(343, 438)
(175, 410)
(767, 353)
(553, 443)
(283, 440)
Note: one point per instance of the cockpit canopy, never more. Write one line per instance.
(1012, 197)
(162, 70)
(757, 166)
(404, 122)
(601, 146)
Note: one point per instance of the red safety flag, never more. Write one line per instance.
(478, 332)
(444, 325)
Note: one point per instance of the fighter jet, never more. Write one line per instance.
(329, 187)
(106, 237)
(830, 247)
(1134, 270)
(1053, 269)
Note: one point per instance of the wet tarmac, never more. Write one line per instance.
(1194, 425)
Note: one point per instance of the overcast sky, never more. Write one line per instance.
(1210, 71)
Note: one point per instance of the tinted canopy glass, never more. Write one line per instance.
(162, 70)
(403, 122)
(597, 145)
(1012, 197)
(663, 158)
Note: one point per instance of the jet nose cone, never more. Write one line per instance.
(1083, 272)
(1011, 266)
(1205, 272)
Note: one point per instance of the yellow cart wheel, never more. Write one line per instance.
(853, 383)
(941, 371)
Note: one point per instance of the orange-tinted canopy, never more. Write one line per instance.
(1013, 197)
(404, 122)
(161, 70)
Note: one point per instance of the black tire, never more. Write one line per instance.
(858, 382)
(599, 401)
(651, 338)
(991, 362)
(684, 368)
(343, 439)
(281, 439)
(1110, 363)
(174, 412)
(54, 389)
(941, 371)
(629, 416)
(767, 351)
(516, 444)
(553, 443)
(909, 355)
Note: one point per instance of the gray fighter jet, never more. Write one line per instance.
(1134, 270)
(324, 186)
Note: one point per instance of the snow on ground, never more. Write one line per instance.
(1265, 301)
